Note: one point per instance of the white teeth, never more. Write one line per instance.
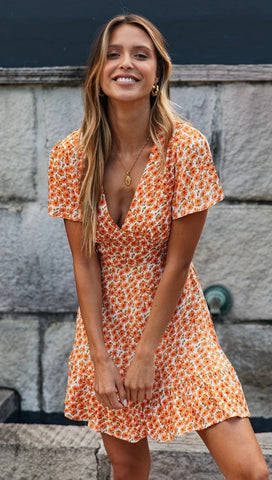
(125, 79)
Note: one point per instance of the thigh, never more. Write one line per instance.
(129, 460)
(235, 449)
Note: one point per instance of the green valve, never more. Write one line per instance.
(219, 299)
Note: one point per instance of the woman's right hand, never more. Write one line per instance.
(108, 384)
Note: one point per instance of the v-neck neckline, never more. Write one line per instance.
(134, 196)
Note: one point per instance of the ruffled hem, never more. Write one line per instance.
(135, 436)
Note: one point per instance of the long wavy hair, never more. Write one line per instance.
(96, 135)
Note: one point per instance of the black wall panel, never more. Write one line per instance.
(37, 33)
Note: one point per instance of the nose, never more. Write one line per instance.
(126, 63)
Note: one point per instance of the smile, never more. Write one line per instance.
(126, 80)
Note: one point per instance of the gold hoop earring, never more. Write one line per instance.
(155, 90)
(101, 93)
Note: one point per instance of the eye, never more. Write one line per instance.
(141, 56)
(112, 55)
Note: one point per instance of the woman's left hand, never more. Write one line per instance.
(139, 378)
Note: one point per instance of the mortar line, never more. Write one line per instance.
(216, 140)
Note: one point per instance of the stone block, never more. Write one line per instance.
(186, 457)
(63, 113)
(9, 403)
(235, 250)
(59, 111)
(17, 139)
(198, 105)
(47, 452)
(10, 257)
(19, 356)
(36, 272)
(47, 256)
(249, 348)
(247, 140)
(104, 469)
(58, 342)
(258, 400)
(36, 266)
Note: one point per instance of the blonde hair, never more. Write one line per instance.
(95, 130)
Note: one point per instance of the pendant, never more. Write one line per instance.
(128, 180)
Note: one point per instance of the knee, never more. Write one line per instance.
(262, 473)
(124, 469)
(130, 461)
(121, 471)
(258, 472)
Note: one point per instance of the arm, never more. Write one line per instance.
(184, 237)
(108, 383)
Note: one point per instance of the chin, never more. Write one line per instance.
(130, 97)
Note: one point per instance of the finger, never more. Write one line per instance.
(141, 395)
(148, 393)
(134, 394)
(99, 396)
(102, 399)
(128, 395)
(109, 400)
(113, 401)
(121, 392)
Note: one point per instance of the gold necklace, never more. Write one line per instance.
(128, 179)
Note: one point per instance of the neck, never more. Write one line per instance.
(129, 126)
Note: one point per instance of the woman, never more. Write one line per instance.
(134, 185)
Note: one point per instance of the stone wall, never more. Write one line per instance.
(232, 107)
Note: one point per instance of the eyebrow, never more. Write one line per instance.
(135, 47)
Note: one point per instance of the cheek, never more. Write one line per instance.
(102, 79)
(151, 75)
(151, 72)
(104, 74)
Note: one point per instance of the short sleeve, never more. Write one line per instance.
(64, 174)
(196, 186)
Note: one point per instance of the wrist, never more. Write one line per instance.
(100, 357)
(148, 343)
(145, 352)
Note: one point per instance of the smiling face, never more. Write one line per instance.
(130, 69)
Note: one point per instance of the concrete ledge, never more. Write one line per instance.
(44, 452)
(189, 459)
(186, 458)
(74, 75)
(9, 403)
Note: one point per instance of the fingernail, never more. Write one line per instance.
(125, 403)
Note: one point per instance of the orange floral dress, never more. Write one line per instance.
(195, 384)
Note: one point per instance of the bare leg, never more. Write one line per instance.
(235, 449)
(130, 461)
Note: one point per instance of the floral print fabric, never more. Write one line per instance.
(195, 384)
